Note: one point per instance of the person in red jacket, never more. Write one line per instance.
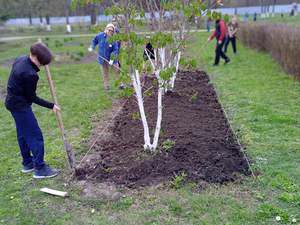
(219, 34)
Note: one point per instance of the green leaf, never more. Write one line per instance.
(166, 74)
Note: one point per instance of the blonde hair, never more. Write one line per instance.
(234, 19)
(108, 26)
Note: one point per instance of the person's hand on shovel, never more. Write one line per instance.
(55, 109)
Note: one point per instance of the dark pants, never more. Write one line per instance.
(220, 53)
(30, 138)
(233, 43)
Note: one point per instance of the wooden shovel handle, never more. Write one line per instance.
(68, 147)
(54, 97)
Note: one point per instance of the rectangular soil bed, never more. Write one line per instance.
(195, 139)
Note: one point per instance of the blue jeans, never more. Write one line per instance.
(30, 138)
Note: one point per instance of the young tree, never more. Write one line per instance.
(273, 9)
(92, 7)
(67, 14)
(167, 47)
(165, 66)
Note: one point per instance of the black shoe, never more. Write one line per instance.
(45, 172)
(227, 61)
(215, 64)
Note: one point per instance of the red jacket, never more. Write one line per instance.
(220, 31)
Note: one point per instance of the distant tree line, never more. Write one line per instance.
(239, 3)
(47, 8)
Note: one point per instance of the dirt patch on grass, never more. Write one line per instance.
(74, 58)
(89, 58)
(7, 62)
(203, 146)
(102, 131)
(64, 58)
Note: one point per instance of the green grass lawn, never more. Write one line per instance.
(9, 31)
(286, 19)
(262, 104)
(60, 30)
(79, 45)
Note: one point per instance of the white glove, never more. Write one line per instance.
(111, 62)
(90, 49)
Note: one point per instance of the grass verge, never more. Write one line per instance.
(262, 104)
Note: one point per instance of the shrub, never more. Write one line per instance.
(58, 44)
(75, 57)
(178, 180)
(194, 97)
(280, 40)
(188, 64)
(81, 53)
(39, 29)
(167, 145)
(136, 116)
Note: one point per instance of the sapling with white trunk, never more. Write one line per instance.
(168, 47)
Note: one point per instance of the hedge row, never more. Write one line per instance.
(280, 40)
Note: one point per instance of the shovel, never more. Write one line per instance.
(113, 65)
(68, 147)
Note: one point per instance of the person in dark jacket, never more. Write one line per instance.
(219, 34)
(21, 93)
(148, 52)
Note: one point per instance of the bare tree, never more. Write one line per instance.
(91, 7)
(67, 14)
(273, 10)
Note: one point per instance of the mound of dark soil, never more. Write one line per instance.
(202, 144)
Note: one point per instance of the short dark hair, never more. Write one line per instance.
(42, 53)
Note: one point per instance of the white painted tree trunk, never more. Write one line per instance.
(162, 54)
(48, 27)
(176, 63)
(135, 77)
(159, 117)
(159, 64)
(152, 63)
(155, 55)
(69, 28)
(170, 59)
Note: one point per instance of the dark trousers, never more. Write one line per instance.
(220, 53)
(30, 138)
(233, 43)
